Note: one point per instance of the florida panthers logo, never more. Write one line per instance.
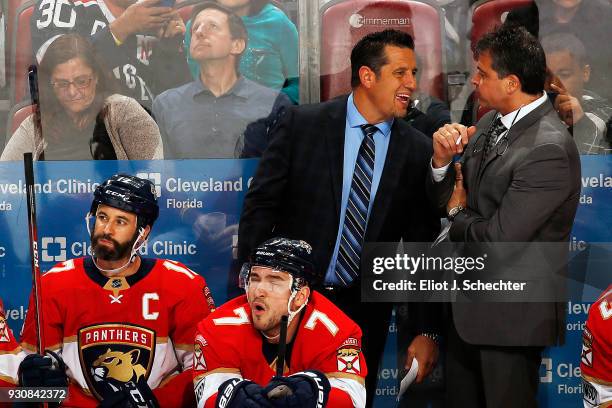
(114, 354)
(118, 366)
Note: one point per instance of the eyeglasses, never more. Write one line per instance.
(79, 82)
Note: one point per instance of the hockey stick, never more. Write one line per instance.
(32, 229)
(282, 347)
(281, 390)
(34, 96)
(33, 234)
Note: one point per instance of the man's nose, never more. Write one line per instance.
(475, 79)
(410, 82)
(108, 228)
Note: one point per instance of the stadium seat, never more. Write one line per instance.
(22, 55)
(343, 23)
(17, 115)
(486, 14)
(12, 6)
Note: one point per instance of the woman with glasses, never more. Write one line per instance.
(79, 116)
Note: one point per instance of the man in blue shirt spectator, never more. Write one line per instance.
(221, 114)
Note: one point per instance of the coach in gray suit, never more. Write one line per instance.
(519, 181)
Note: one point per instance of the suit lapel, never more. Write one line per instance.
(518, 128)
(334, 138)
(397, 154)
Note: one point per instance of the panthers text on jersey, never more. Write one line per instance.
(113, 330)
(596, 356)
(144, 65)
(228, 346)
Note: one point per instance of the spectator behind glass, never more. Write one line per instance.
(221, 114)
(271, 56)
(80, 117)
(139, 40)
(586, 114)
(589, 21)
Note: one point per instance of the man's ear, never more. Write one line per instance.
(147, 230)
(586, 73)
(302, 296)
(367, 76)
(238, 46)
(513, 84)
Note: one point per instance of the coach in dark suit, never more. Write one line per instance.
(519, 182)
(345, 172)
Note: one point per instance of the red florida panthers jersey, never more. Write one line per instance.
(9, 352)
(228, 346)
(596, 358)
(113, 330)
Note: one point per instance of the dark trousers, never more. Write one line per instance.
(490, 376)
(373, 319)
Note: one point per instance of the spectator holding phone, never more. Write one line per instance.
(140, 41)
(271, 55)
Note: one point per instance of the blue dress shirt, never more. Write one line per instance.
(353, 136)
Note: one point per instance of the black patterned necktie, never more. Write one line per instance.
(491, 138)
(356, 215)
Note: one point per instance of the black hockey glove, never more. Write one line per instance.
(131, 396)
(306, 389)
(43, 371)
(236, 393)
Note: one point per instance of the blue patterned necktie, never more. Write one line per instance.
(355, 218)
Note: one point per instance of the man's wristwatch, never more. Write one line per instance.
(454, 211)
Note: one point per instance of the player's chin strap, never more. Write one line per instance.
(139, 243)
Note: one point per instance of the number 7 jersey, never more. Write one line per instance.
(227, 345)
(113, 330)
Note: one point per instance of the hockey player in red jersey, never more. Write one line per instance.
(596, 357)
(236, 347)
(122, 325)
(9, 349)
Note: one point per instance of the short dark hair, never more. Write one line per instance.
(514, 51)
(370, 51)
(236, 25)
(559, 42)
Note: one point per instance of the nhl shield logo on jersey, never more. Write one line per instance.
(348, 356)
(198, 353)
(114, 354)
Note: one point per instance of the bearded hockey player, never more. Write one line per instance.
(596, 358)
(236, 347)
(121, 325)
(141, 41)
